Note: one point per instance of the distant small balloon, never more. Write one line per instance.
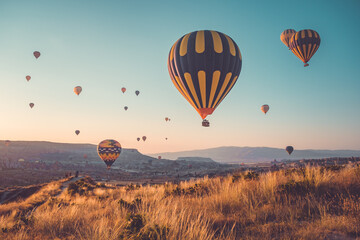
(166, 119)
(159, 157)
(144, 138)
(37, 54)
(31, 105)
(166, 138)
(77, 90)
(123, 90)
(289, 149)
(126, 108)
(138, 139)
(137, 92)
(85, 156)
(265, 108)
(28, 78)
(77, 132)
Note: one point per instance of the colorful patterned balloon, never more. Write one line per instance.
(109, 150)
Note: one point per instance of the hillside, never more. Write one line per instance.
(303, 203)
(257, 154)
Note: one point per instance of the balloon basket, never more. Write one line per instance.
(205, 123)
(305, 65)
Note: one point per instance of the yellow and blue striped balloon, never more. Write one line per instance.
(204, 66)
(304, 44)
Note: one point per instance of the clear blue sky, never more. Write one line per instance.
(105, 45)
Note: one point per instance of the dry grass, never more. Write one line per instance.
(309, 203)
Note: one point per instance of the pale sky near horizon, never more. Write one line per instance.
(106, 45)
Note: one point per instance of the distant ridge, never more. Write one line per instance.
(256, 154)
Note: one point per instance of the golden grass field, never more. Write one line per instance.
(306, 203)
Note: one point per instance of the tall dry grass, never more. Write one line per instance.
(308, 203)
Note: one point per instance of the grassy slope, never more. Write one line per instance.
(310, 203)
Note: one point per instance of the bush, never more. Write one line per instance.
(251, 175)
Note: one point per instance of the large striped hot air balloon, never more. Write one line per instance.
(109, 150)
(286, 35)
(304, 44)
(204, 66)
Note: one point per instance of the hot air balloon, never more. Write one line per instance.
(7, 142)
(77, 90)
(126, 108)
(159, 157)
(304, 44)
(286, 35)
(138, 139)
(36, 54)
(123, 90)
(137, 92)
(265, 108)
(77, 132)
(31, 105)
(166, 138)
(109, 150)
(85, 156)
(166, 119)
(28, 78)
(144, 138)
(289, 149)
(204, 66)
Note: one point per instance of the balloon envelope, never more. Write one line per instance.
(109, 150)
(77, 132)
(289, 149)
(265, 108)
(126, 108)
(286, 35)
(138, 139)
(166, 119)
(28, 78)
(31, 105)
(304, 44)
(36, 54)
(137, 92)
(77, 90)
(123, 90)
(144, 138)
(204, 66)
